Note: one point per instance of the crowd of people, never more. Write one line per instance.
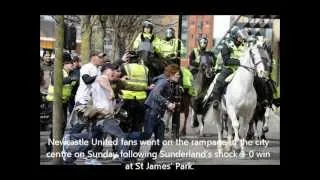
(93, 93)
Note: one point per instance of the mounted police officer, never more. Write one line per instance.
(231, 52)
(195, 55)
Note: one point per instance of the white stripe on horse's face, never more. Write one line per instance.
(257, 60)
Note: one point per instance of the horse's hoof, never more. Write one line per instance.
(215, 104)
(228, 148)
(183, 133)
(249, 136)
(167, 130)
(238, 150)
(265, 129)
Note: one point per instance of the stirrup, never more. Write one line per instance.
(215, 103)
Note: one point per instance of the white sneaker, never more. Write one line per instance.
(92, 162)
(115, 157)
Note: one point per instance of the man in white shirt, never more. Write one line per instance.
(88, 74)
(103, 99)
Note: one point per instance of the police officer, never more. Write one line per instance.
(134, 91)
(146, 34)
(169, 48)
(195, 55)
(68, 83)
(231, 52)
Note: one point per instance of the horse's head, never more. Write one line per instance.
(257, 61)
(266, 55)
(206, 64)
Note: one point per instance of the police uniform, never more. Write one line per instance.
(230, 54)
(134, 94)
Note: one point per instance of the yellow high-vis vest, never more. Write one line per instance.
(138, 77)
(66, 90)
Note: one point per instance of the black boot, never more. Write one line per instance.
(217, 91)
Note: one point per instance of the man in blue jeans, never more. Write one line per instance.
(103, 121)
(156, 104)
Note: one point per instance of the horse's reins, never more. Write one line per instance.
(255, 64)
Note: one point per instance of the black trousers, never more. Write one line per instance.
(135, 120)
(220, 83)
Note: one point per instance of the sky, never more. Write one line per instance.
(221, 25)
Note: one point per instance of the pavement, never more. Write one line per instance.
(255, 154)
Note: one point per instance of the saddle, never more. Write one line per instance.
(229, 78)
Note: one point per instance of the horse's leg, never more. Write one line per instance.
(255, 129)
(266, 119)
(186, 103)
(229, 134)
(219, 130)
(166, 119)
(235, 123)
(243, 129)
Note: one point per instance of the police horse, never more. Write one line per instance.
(264, 88)
(147, 54)
(239, 101)
(201, 83)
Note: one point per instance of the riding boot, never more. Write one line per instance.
(217, 91)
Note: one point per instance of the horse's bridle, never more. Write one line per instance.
(255, 64)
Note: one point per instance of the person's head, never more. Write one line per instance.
(47, 57)
(108, 70)
(97, 57)
(203, 42)
(170, 33)
(147, 26)
(117, 72)
(172, 72)
(76, 62)
(67, 62)
(238, 36)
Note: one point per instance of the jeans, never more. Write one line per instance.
(152, 124)
(110, 126)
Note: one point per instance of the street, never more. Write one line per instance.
(255, 154)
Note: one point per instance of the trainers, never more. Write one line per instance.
(92, 162)
(115, 157)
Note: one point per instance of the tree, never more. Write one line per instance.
(85, 38)
(57, 122)
(98, 33)
(125, 29)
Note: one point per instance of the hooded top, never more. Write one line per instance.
(160, 94)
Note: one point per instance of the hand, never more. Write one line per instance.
(151, 86)
(125, 57)
(171, 106)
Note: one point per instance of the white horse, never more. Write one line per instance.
(239, 101)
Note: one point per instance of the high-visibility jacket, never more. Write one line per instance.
(138, 79)
(66, 90)
(166, 48)
(187, 81)
(144, 36)
(236, 53)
